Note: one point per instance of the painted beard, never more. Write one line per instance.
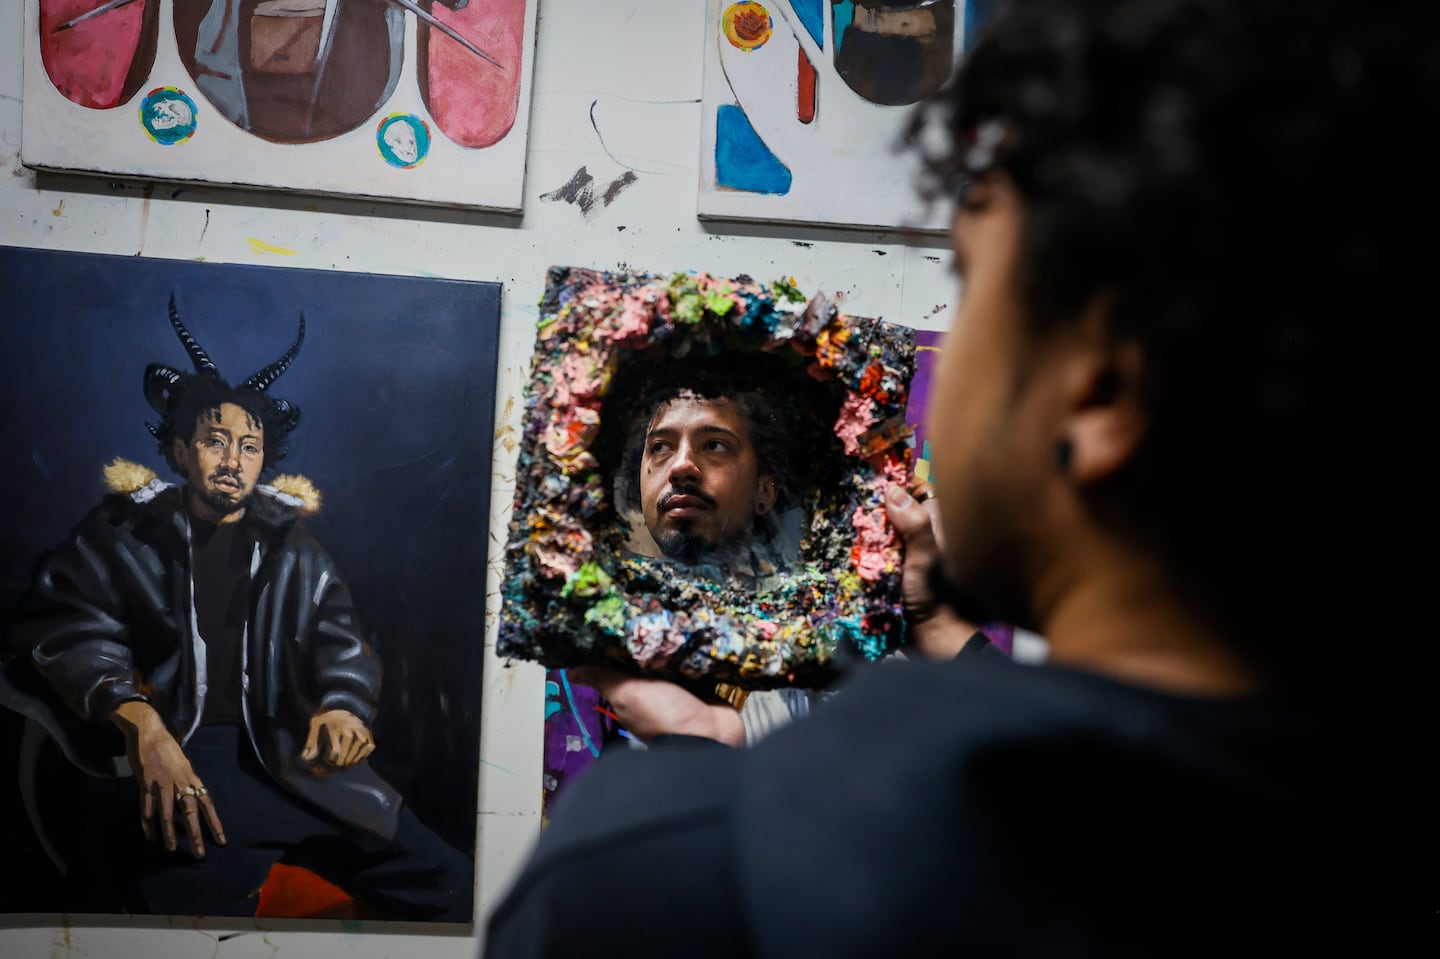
(222, 503)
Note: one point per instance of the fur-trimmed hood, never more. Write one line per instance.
(142, 484)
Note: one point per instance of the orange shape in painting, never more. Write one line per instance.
(805, 95)
(291, 892)
(100, 62)
(747, 25)
(473, 101)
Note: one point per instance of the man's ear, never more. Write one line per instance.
(181, 451)
(1107, 419)
(767, 493)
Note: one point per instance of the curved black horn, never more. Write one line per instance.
(287, 413)
(261, 381)
(202, 361)
(158, 381)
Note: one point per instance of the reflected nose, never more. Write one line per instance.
(683, 468)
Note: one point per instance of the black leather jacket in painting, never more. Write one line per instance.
(110, 617)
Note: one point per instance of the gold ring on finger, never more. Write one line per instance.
(201, 791)
(187, 791)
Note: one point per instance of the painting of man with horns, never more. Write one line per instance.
(199, 630)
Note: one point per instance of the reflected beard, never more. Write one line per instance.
(690, 548)
(685, 546)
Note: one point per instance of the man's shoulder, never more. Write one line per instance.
(132, 491)
(154, 503)
(898, 717)
(283, 502)
(967, 789)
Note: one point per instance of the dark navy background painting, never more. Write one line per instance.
(396, 383)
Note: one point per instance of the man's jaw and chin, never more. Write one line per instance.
(973, 602)
(681, 543)
(217, 504)
(685, 546)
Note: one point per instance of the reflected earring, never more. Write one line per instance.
(1063, 453)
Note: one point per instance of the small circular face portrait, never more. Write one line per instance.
(168, 116)
(403, 140)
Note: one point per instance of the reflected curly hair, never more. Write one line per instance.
(1237, 175)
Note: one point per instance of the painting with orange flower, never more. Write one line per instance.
(805, 100)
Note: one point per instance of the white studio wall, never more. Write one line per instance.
(611, 169)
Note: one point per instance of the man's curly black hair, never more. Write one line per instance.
(1242, 177)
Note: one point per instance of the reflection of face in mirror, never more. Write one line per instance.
(703, 472)
(701, 485)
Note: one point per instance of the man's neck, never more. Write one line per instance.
(1116, 613)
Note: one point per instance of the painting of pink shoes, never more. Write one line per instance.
(414, 100)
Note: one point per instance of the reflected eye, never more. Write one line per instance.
(717, 446)
(657, 447)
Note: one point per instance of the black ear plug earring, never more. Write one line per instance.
(1063, 453)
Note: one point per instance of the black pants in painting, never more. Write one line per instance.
(416, 876)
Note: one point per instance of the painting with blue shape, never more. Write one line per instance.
(303, 638)
(803, 100)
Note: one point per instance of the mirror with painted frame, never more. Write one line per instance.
(699, 485)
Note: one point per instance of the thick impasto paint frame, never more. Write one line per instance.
(572, 594)
(396, 382)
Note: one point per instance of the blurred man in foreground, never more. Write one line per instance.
(1151, 422)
